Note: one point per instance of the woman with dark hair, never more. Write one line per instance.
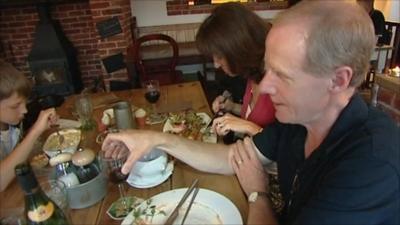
(234, 36)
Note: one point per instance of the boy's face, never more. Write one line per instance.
(12, 109)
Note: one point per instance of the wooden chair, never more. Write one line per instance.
(163, 69)
(394, 28)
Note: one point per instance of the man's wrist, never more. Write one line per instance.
(256, 195)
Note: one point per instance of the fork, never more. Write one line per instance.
(60, 136)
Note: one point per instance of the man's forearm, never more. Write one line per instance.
(206, 157)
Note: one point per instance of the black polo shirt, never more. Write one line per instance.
(353, 177)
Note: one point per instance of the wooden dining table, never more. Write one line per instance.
(173, 98)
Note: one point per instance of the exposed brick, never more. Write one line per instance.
(65, 7)
(99, 5)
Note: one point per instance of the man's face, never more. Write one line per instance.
(12, 109)
(298, 97)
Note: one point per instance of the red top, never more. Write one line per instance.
(263, 112)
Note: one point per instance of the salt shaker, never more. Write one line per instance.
(64, 170)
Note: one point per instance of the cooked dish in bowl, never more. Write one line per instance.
(71, 141)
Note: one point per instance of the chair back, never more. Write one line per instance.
(153, 67)
(394, 30)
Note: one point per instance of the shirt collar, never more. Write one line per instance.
(353, 115)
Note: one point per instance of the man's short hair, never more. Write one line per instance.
(339, 33)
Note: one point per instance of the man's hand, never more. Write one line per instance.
(247, 166)
(136, 143)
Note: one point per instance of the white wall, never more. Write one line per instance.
(390, 8)
(154, 12)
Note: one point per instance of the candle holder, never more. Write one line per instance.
(395, 72)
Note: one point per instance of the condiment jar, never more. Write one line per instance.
(84, 160)
(64, 170)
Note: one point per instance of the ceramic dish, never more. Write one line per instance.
(116, 211)
(72, 138)
(203, 134)
(66, 123)
(209, 207)
(139, 182)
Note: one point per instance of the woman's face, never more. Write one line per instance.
(220, 62)
(12, 109)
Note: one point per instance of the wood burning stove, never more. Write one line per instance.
(52, 59)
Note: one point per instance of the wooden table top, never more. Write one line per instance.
(173, 98)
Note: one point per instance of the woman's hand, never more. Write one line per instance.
(45, 119)
(248, 168)
(222, 103)
(222, 125)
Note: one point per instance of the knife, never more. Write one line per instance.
(175, 212)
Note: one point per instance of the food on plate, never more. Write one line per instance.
(71, 141)
(39, 161)
(187, 124)
(117, 210)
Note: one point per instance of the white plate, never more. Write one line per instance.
(66, 123)
(143, 183)
(209, 207)
(212, 138)
(72, 138)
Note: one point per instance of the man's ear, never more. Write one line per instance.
(341, 78)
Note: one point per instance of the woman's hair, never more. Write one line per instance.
(12, 80)
(339, 33)
(236, 34)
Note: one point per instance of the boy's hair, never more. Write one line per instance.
(12, 80)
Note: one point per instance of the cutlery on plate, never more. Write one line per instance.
(60, 136)
(175, 212)
(196, 190)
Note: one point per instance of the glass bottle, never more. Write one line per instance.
(39, 209)
(64, 170)
(86, 168)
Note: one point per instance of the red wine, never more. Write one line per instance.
(152, 96)
(116, 176)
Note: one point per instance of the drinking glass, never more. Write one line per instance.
(56, 190)
(117, 177)
(84, 109)
(152, 93)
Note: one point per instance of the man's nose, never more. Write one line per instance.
(267, 84)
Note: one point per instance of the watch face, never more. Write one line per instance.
(253, 197)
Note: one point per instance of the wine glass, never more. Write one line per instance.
(117, 177)
(152, 93)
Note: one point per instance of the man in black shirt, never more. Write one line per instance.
(338, 159)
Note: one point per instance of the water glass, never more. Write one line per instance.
(123, 116)
(57, 192)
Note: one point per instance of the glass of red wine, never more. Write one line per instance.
(117, 177)
(152, 92)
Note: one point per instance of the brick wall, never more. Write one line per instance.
(181, 7)
(78, 20)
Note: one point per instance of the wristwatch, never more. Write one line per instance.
(254, 196)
